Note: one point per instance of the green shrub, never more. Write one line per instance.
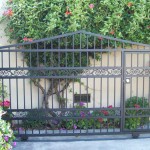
(34, 119)
(27, 20)
(104, 122)
(136, 102)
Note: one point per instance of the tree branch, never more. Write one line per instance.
(37, 84)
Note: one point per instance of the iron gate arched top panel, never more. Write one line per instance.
(80, 32)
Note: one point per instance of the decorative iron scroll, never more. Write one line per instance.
(63, 72)
(13, 73)
(137, 72)
(104, 72)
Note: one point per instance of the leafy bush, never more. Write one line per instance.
(28, 20)
(34, 119)
(136, 103)
(6, 134)
(80, 118)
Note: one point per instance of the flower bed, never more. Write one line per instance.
(82, 118)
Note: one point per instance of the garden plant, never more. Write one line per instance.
(137, 103)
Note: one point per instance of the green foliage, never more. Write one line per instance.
(80, 118)
(136, 103)
(83, 118)
(39, 19)
(34, 119)
(6, 134)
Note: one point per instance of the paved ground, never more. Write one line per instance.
(124, 142)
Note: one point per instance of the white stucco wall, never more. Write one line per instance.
(3, 39)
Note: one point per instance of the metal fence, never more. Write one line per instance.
(76, 84)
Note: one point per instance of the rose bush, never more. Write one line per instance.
(5, 104)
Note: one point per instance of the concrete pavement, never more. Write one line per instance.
(121, 142)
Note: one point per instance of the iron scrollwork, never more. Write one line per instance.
(138, 72)
(64, 72)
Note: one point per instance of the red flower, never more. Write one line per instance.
(105, 112)
(68, 13)
(100, 38)
(8, 12)
(129, 4)
(6, 104)
(100, 120)
(110, 106)
(25, 39)
(137, 106)
(91, 6)
(112, 32)
(10, 1)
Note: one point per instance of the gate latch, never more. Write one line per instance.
(127, 80)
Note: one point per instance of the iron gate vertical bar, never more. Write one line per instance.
(122, 91)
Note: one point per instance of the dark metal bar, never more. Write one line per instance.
(123, 62)
(73, 109)
(73, 93)
(143, 92)
(68, 68)
(93, 93)
(61, 50)
(148, 126)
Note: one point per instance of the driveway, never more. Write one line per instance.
(122, 142)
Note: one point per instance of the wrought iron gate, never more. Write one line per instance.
(136, 90)
(78, 83)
